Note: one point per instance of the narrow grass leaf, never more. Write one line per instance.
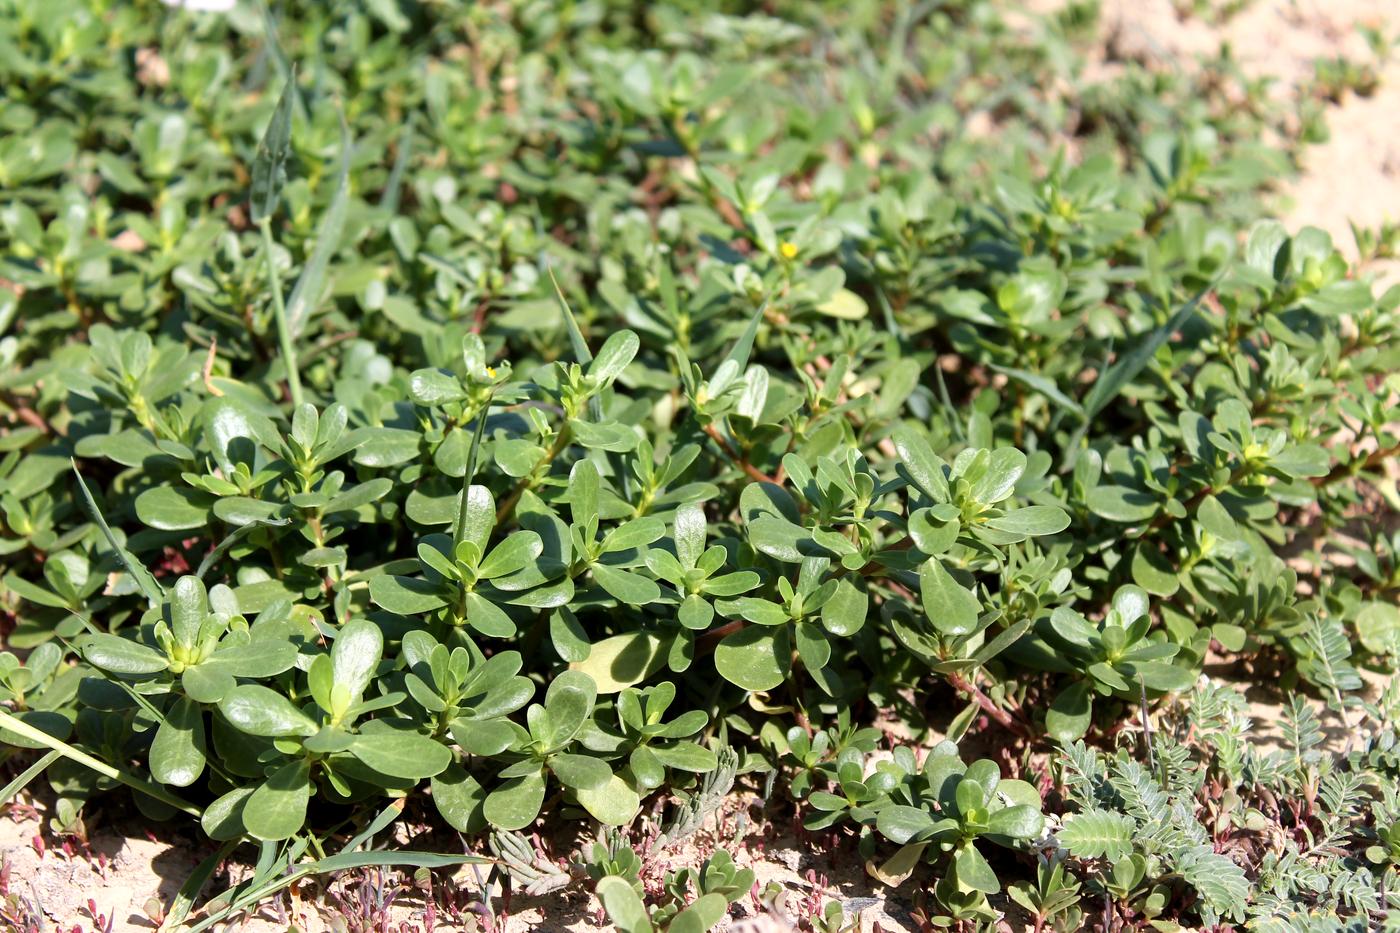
(147, 583)
(307, 290)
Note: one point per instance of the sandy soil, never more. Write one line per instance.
(124, 876)
(1352, 177)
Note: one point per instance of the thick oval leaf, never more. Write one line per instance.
(189, 603)
(207, 682)
(973, 871)
(1122, 504)
(613, 803)
(567, 703)
(277, 809)
(950, 606)
(924, 467)
(516, 803)
(647, 770)
(755, 657)
(613, 357)
(512, 555)
(257, 659)
(1032, 520)
(223, 819)
(401, 754)
(900, 823)
(430, 387)
(460, 799)
(624, 905)
(844, 613)
(174, 508)
(580, 772)
(121, 655)
(257, 710)
(1069, 716)
(686, 756)
(386, 447)
(689, 532)
(355, 655)
(1018, 822)
(408, 596)
(177, 752)
(625, 586)
(623, 660)
(486, 617)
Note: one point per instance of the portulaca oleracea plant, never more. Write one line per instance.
(590, 453)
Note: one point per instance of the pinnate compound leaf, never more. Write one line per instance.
(1098, 834)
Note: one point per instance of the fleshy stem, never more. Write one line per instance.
(960, 683)
(279, 309)
(753, 472)
(561, 440)
(1353, 467)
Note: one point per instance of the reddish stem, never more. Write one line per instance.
(1005, 719)
(753, 472)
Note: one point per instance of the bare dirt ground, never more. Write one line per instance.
(123, 876)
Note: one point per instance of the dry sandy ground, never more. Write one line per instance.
(124, 878)
(1354, 176)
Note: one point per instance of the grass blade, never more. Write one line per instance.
(389, 200)
(270, 164)
(1043, 385)
(274, 48)
(309, 284)
(22, 780)
(285, 341)
(184, 898)
(1107, 387)
(461, 527)
(582, 355)
(20, 727)
(381, 859)
(334, 863)
(385, 817)
(738, 358)
(147, 583)
(232, 538)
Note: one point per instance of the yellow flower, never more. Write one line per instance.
(787, 249)
(491, 371)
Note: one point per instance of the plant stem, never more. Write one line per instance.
(279, 309)
(960, 683)
(1353, 467)
(561, 441)
(753, 472)
(1164, 519)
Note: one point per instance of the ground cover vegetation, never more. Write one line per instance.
(598, 411)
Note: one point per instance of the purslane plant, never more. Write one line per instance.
(631, 420)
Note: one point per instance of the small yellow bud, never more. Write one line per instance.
(491, 371)
(787, 249)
